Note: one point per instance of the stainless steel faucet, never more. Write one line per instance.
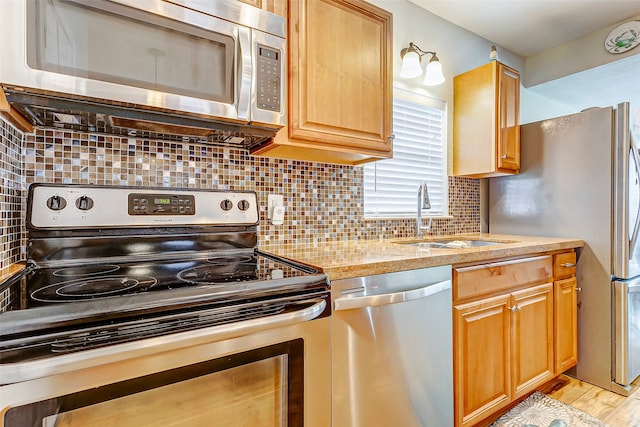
(423, 203)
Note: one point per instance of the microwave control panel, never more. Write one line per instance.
(269, 66)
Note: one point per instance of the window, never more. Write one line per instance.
(419, 154)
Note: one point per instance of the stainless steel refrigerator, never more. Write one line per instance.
(580, 177)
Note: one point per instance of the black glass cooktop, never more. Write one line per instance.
(227, 274)
(68, 309)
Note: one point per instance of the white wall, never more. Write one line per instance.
(573, 56)
(579, 74)
(564, 80)
(602, 86)
(459, 50)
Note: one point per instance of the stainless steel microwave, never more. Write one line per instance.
(223, 60)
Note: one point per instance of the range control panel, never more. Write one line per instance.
(56, 206)
(161, 204)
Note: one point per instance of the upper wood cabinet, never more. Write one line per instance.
(13, 116)
(340, 83)
(486, 127)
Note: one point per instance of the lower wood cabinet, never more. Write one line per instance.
(566, 311)
(482, 360)
(514, 329)
(532, 333)
(566, 324)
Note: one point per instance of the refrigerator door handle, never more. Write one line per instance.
(636, 227)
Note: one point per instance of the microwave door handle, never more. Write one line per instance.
(636, 227)
(243, 73)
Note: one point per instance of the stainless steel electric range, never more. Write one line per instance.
(174, 277)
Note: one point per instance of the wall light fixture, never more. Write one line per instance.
(411, 57)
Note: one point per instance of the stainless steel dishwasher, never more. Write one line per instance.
(392, 357)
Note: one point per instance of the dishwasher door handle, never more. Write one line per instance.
(352, 302)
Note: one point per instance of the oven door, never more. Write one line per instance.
(144, 52)
(273, 376)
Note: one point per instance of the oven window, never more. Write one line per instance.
(262, 387)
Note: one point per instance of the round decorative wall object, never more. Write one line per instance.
(623, 38)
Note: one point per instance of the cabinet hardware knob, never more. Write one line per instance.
(579, 289)
(514, 308)
(392, 137)
(568, 265)
(504, 156)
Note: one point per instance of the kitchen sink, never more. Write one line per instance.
(452, 243)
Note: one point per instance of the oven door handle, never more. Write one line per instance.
(251, 326)
(284, 319)
(246, 327)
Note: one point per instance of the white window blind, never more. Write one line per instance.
(419, 154)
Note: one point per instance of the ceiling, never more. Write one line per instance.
(527, 27)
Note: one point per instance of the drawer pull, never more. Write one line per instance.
(514, 308)
(568, 265)
(579, 289)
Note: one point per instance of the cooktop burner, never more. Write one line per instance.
(80, 289)
(65, 285)
(86, 270)
(229, 260)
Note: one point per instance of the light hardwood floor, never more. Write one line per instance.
(612, 408)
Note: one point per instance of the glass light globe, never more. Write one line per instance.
(410, 65)
(434, 74)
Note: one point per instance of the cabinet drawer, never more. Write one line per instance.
(488, 278)
(564, 265)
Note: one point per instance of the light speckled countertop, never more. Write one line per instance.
(6, 273)
(345, 259)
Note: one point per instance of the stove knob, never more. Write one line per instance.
(84, 203)
(243, 205)
(56, 203)
(226, 205)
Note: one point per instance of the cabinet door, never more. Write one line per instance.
(566, 324)
(486, 124)
(508, 119)
(340, 74)
(532, 315)
(482, 366)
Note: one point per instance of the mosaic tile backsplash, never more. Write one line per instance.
(323, 201)
(12, 195)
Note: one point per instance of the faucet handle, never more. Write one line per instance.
(426, 204)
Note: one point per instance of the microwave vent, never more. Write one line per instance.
(50, 111)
